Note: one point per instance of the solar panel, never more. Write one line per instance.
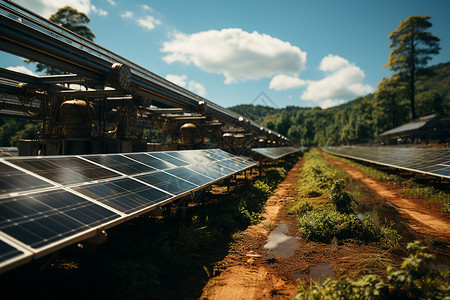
(167, 182)
(126, 194)
(64, 170)
(120, 164)
(151, 161)
(7, 251)
(435, 162)
(49, 202)
(13, 180)
(46, 217)
(275, 153)
(12, 255)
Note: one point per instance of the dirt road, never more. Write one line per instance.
(426, 219)
(247, 272)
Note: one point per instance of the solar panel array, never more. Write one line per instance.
(47, 203)
(435, 162)
(276, 152)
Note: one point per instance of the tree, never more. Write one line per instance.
(388, 94)
(72, 20)
(412, 47)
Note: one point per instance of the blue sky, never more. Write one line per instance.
(302, 53)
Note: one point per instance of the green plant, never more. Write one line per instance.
(323, 226)
(415, 280)
(341, 199)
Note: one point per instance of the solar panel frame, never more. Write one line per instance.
(433, 162)
(23, 256)
(210, 159)
(275, 153)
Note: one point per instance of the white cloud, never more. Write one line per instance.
(342, 82)
(146, 7)
(99, 11)
(148, 22)
(237, 54)
(112, 2)
(330, 103)
(177, 79)
(284, 82)
(22, 69)
(127, 14)
(46, 8)
(197, 88)
(192, 85)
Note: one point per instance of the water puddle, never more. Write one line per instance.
(318, 273)
(280, 244)
(387, 214)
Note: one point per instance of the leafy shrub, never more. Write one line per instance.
(341, 199)
(300, 208)
(323, 226)
(415, 280)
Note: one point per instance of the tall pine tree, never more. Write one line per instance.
(412, 46)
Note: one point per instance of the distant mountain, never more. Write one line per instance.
(357, 121)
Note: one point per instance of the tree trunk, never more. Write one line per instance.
(412, 73)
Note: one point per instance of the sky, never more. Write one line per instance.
(276, 53)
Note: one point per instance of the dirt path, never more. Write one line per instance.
(425, 218)
(245, 272)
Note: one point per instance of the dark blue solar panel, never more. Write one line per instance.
(65, 170)
(190, 176)
(8, 252)
(231, 165)
(193, 157)
(421, 160)
(169, 159)
(211, 170)
(126, 195)
(42, 218)
(13, 180)
(151, 161)
(121, 164)
(167, 182)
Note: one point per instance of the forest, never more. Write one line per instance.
(358, 121)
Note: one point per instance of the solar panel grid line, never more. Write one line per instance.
(12, 254)
(150, 185)
(99, 203)
(54, 216)
(63, 171)
(390, 158)
(131, 166)
(59, 225)
(104, 166)
(275, 153)
(50, 184)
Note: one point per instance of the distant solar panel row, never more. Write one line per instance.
(49, 202)
(435, 162)
(276, 152)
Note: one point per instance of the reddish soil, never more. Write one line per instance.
(427, 219)
(247, 272)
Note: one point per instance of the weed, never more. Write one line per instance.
(415, 280)
(341, 199)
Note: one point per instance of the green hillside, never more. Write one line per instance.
(355, 122)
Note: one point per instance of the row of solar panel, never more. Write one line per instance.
(435, 162)
(48, 202)
(275, 153)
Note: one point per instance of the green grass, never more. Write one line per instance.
(325, 208)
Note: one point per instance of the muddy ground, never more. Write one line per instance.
(249, 272)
